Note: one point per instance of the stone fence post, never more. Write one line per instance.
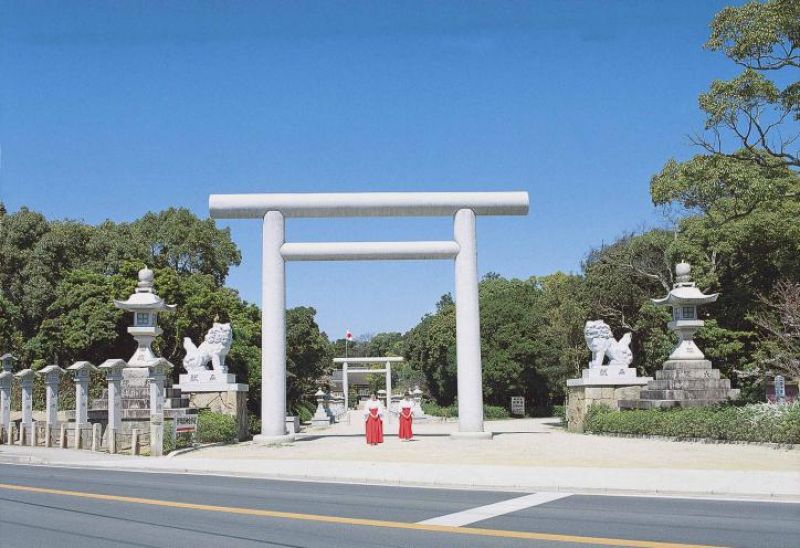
(157, 371)
(82, 371)
(52, 376)
(5, 406)
(113, 370)
(26, 380)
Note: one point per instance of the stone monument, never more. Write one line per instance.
(602, 383)
(687, 379)
(214, 388)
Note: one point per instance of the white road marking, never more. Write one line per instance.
(459, 519)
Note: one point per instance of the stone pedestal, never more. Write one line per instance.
(228, 402)
(683, 383)
(605, 385)
(219, 392)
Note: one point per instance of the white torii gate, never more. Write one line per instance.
(387, 369)
(274, 208)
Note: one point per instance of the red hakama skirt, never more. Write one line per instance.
(405, 424)
(374, 427)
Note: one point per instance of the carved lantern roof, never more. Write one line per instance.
(145, 298)
(684, 292)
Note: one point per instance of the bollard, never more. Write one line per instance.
(77, 436)
(34, 435)
(135, 441)
(12, 434)
(97, 436)
(22, 434)
(112, 440)
(48, 436)
(62, 437)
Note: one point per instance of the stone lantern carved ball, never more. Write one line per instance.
(146, 276)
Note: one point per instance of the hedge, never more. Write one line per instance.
(216, 427)
(762, 422)
(490, 412)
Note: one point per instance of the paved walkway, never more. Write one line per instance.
(525, 455)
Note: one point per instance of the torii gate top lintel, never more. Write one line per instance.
(367, 204)
(274, 208)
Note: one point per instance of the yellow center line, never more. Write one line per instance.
(472, 531)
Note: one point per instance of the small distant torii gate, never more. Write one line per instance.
(387, 369)
(274, 208)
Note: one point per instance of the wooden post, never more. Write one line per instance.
(135, 441)
(62, 437)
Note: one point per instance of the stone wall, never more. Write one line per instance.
(228, 403)
(580, 398)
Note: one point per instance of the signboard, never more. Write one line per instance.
(517, 405)
(186, 424)
(780, 388)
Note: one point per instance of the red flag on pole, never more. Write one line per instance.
(348, 336)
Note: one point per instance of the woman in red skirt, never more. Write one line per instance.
(374, 421)
(406, 412)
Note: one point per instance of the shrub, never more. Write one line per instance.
(255, 425)
(763, 422)
(560, 411)
(215, 428)
(494, 412)
(303, 412)
(435, 410)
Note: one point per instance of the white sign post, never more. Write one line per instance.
(518, 406)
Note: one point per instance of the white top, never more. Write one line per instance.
(373, 404)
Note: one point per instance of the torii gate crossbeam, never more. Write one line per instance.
(274, 208)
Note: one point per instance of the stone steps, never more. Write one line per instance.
(688, 374)
(689, 384)
(718, 394)
(671, 365)
(665, 404)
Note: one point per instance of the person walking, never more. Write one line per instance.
(406, 417)
(373, 416)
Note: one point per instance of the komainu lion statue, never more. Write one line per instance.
(214, 348)
(601, 342)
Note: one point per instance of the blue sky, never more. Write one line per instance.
(111, 109)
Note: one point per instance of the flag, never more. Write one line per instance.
(348, 336)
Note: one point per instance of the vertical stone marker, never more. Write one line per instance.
(52, 377)
(157, 371)
(26, 377)
(82, 371)
(113, 370)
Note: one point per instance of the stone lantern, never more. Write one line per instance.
(687, 379)
(145, 306)
(684, 298)
(7, 361)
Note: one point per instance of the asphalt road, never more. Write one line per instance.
(61, 507)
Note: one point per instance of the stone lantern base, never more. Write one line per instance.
(683, 383)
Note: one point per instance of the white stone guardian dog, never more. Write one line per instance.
(601, 342)
(213, 349)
